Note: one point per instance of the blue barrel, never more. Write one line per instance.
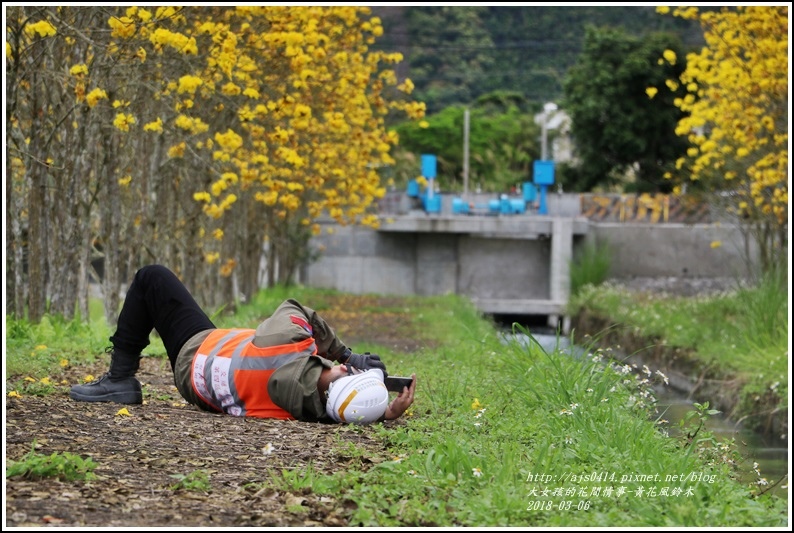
(433, 203)
(494, 206)
(530, 191)
(504, 205)
(459, 206)
(413, 189)
(517, 206)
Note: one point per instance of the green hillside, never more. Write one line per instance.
(454, 54)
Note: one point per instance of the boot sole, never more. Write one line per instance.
(115, 397)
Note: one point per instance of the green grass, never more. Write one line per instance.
(590, 267)
(741, 334)
(507, 434)
(195, 481)
(62, 465)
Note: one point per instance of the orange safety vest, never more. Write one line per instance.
(231, 374)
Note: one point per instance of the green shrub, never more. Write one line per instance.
(63, 465)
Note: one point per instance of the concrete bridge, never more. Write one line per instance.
(513, 264)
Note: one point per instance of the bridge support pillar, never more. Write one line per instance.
(561, 257)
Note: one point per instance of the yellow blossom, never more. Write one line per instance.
(123, 121)
(122, 27)
(156, 125)
(14, 394)
(189, 84)
(42, 27)
(123, 412)
(177, 150)
(202, 197)
(228, 268)
(94, 96)
(79, 70)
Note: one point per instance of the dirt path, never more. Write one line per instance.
(139, 454)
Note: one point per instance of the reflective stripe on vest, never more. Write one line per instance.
(231, 374)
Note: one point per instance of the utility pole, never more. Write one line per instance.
(465, 153)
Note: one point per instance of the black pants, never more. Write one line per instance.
(158, 300)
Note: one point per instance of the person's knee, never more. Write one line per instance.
(150, 272)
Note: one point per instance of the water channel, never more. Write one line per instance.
(771, 453)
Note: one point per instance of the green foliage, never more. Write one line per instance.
(591, 266)
(302, 478)
(195, 481)
(502, 414)
(765, 308)
(459, 53)
(616, 127)
(63, 465)
(740, 333)
(42, 349)
(447, 76)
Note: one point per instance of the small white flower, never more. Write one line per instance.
(268, 449)
(476, 472)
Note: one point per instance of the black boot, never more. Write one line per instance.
(117, 385)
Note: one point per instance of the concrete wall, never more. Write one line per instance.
(514, 264)
(360, 261)
(504, 269)
(502, 266)
(670, 250)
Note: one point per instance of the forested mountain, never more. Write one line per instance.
(454, 54)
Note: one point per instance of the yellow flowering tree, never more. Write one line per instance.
(205, 138)
(737, 122)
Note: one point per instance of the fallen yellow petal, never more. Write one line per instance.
(14, 394)
(88, 378)
(123, 412)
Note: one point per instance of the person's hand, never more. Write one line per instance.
(365, 361)
(402, 402)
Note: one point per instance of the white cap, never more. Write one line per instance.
(358, 399)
